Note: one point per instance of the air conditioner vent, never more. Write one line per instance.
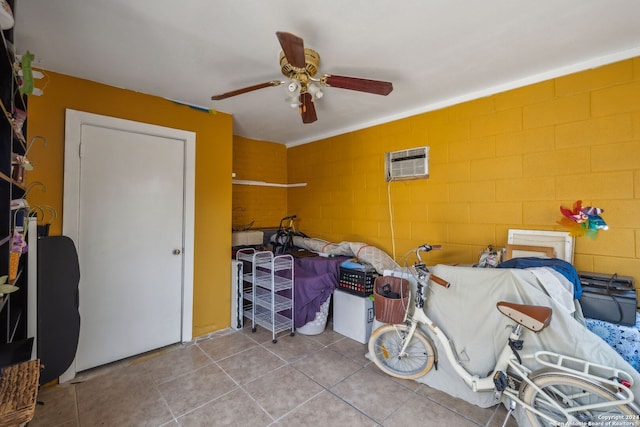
(407, 164)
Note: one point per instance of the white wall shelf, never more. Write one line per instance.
(266, 184)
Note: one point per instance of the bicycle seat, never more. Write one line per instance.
(533, 317)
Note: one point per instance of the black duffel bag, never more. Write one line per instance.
(611, 298)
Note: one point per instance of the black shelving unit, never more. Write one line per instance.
(14, 345)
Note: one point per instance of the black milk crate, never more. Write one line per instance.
(357, 282)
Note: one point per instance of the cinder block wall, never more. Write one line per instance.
(262, 161)
(505, 161)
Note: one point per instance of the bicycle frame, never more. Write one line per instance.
(507, 361)
(474, 382)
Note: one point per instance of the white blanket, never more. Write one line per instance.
(556, 286)
(369, 254)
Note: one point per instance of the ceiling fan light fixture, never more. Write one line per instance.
(293, 86)
(293, 93)
(293, 101)
(315, 90)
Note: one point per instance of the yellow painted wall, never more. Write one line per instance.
(259, 161)
(213, 174)
(505, 161)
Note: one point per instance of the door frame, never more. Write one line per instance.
(74, 120)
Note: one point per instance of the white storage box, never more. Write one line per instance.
(352, 316)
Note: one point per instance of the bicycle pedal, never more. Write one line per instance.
(500, 381)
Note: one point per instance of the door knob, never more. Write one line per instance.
(177, 251)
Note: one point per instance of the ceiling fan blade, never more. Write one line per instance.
(293, 48)
(377, 87)
(245, 90)
(307, 109)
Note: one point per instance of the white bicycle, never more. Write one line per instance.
(566, 392)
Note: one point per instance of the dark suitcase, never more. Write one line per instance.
(611, 298)
(603, 280)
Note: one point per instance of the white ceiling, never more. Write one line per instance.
(436, 52)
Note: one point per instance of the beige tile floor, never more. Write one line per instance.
(240, 378)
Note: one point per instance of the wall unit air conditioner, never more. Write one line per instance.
(407, 164)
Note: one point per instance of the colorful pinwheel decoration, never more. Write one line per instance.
(583, 221)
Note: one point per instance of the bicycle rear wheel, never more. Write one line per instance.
(568, 391)
(386, 343)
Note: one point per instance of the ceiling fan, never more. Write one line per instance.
(300, 65)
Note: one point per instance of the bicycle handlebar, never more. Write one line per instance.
(439, 280)
(427, 248)
(287, 218)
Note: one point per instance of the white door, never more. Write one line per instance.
(131, 219)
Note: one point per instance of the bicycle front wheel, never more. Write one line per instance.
(571, 391)
(385, 345)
